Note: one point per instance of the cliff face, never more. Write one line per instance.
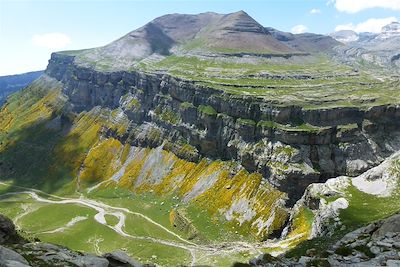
(289, 145)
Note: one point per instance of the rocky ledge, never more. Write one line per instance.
(377, 244)
(16, 251)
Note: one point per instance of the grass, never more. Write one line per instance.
(97, 238)
(246, 122)
(365, 208)
(93, 237)
(330, 85)
(186, 105)
(303, 127)
(209, 110)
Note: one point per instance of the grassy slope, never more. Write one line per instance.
(331, 85)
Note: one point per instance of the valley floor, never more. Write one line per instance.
(101, 224)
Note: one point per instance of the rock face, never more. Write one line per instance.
(16, 251)
(242, 128)
(377, 244)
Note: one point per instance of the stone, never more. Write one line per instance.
(393, 263)
(376, 250)
(384, 244)
(118, 257)
(12, 263)
(10, 258)
(311, 252)
(7, 230)
(304, 260)
(90, 261)
(390, 225)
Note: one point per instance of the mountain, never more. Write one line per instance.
(345, 36)
(305, 42)
(379, 51)
(390, 31)
(12, 83)
(195, 138)
(204, 34)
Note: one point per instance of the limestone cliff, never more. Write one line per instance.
(290, 146)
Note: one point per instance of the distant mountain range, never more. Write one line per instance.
(12, 83)
(382, 49)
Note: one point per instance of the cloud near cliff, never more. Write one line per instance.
(51, 40)
(315, 11)
(354, 6)
(371, 25)
(299, 29)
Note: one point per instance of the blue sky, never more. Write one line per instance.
(31, 30)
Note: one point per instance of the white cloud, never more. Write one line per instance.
(330, 2)
(354, 6)
(51, 40)
(315, 11)
(299, 29)
(370, 25)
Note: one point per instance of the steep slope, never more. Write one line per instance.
(238, 32)
(12, 83)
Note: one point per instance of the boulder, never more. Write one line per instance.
(119, 258)
(7, 230)
(10, 258)
(390, 225)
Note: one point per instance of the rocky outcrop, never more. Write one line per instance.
(377, 244)
(15, 251)
(319, 143)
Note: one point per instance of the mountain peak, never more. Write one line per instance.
(205, 34)
(390, 30)
(394, 26)
(345, 36)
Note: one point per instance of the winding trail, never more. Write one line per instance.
(102, 209)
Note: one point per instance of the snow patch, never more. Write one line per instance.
(379, 180)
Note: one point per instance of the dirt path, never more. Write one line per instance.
(197, 251)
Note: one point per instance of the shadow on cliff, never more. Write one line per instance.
(32, 158)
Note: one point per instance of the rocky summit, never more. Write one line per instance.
(210, 140)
